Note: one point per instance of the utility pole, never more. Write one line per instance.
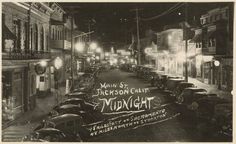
(186, 42)
(72, 48)
(138, 39)
(71, 11)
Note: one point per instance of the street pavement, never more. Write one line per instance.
(168, 131)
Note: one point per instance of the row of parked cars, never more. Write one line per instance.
(195, 104)
(67, 120)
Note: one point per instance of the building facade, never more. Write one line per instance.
(217, 47)
(24, 49)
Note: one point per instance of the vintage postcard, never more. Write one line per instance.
(117, 71)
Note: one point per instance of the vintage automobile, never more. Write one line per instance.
(85, 106)
(70, 124)
(181, 86)
(88, 116)
(190, 95)
(161, 82)
(154, 77)
(139, 70)
(172, 83)
(50, 135)
(213, 114)
(81, 89)
(81, 95)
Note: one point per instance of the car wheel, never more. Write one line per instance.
(180, 99)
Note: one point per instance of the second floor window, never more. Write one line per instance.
(42, 39)
(17, 30)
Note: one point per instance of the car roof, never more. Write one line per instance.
(63, 117)
(68, 106)
(73, 99)
(176, 79)
(204, 93)
(194, 88)
(77, 93)
(185, 83)
(48, 130)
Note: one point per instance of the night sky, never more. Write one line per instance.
(114, 23)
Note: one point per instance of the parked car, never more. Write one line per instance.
(172, 83)
(161, 82)
(88, 116)
(181, 86)
(154, 77)
(85, 106)
(80, 95)
(214, 113)
(70, 124)
(50, 135)
(190, 95)
(81, 89)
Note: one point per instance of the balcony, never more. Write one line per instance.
(25, 55)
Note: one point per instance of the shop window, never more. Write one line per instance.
(41, 78)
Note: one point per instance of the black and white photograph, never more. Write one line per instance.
(77, 71)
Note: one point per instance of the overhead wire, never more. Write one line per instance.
(171, 9)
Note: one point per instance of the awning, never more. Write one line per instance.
(197, 38)
(6, 33)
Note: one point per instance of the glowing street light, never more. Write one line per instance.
(106, 54)
(79, 47)
(88, 59)
(93, 46)
(43, 63)
(131, 60)
(58, 63)
(216, 63)
(98, 50)
(97, 57)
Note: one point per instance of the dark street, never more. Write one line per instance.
(117, 71)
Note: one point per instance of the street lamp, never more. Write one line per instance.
(93, 45)
(43, 63)
(79, 46)
(57, 64)
(97, 57)
(216, 63)
(106, 54)
(98, 50)
(88, 59)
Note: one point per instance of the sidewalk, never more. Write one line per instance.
(211, 89)
(42, 108)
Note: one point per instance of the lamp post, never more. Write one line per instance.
(57, 64)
